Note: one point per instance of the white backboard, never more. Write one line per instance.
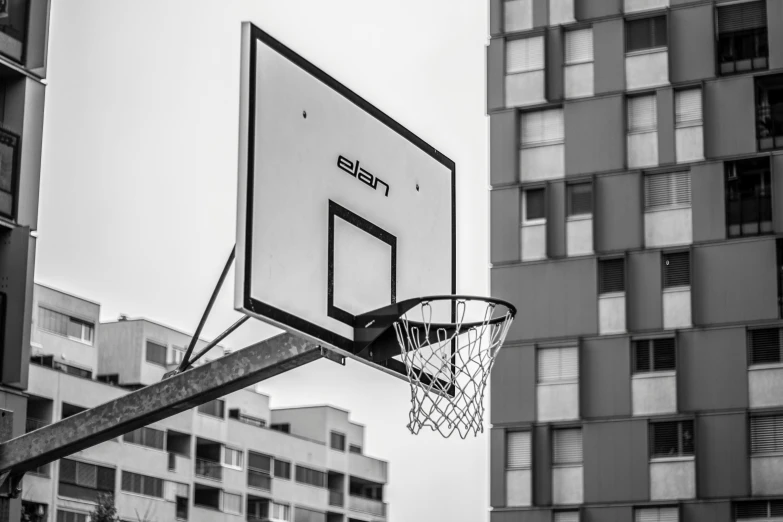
(341, 210)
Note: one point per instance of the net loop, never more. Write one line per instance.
(448, 364)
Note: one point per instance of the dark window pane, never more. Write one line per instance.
(534, 204)
(337, 441)
(259, 462)
(580, 199)
(642, 356)
(282, 469)
(676, 269)
(645, 33)
(611, 275)
(764, 346)
(156, 353)
(664, 358)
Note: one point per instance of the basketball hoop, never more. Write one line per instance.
(448, 363)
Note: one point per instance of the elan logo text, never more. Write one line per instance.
(361, 174)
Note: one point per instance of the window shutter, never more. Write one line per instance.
(558, 364)
(580, 199)
(766, 434)
(664, 357)
(752, 509)
(739, 17)
(642, 113)
(687, 107)
(566, 516)
(86, 475)
(569, 363)
(611, 275)
(764, 346)
(517, 449)
(579, 46)
(518, 15)
(542, 127)
(567, 446)
(664, 514)
(641, 356)
(676, 269)
(259, 462)
(671, 439)
(667, 190)
(525, 54)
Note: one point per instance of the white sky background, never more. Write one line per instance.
(138, 189)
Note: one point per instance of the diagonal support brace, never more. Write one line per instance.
(155, 402)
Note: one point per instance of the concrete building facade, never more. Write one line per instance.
(231, 459)
(637, 224)
(23, 50)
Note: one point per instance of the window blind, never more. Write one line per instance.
(654, 355)
(525, 54)
(766, 434)
(645, 33)
(739, 17)
(580, 199)
(671, 439)
(259, 462)
(558, 364)
(518, 15)
(232, 503)
(758, 509)
(517, 449)
(567, 446)
(764, 346)
(688, 107)
(662, 514)
(566, 516)
(579, 46)
(642, 113)
(665, 190)
(611, 275)
(676, 269)
(542, 127)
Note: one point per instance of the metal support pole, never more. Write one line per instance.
(214, 342)
(155, 402)
(186, 358)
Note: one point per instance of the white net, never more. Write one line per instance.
(448, 363)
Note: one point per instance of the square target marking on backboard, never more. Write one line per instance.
(341, 210)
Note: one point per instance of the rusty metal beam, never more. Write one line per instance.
(155, 402)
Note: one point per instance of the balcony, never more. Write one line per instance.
(209, 469)
(9, 159)
(366, 505)
(336, 498)
(32, 424)
(14, 17)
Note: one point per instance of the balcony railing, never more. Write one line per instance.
(209, 469)
(259, 480)
(335, 498)
(32, 424)
(367, 505)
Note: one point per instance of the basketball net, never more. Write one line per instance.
(447, 389)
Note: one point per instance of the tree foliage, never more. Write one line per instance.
(105, 511)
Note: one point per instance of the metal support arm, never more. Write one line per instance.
(155, 402)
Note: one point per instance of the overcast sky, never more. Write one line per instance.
(138, 189)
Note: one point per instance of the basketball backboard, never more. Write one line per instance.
(341, 210)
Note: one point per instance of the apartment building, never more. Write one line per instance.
(231, 459)
(23, 44)
(637, 224)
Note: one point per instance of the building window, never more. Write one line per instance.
(232, 458)
(742, 37)
(534, 206)
(642, 136)
(541, 128)
(541, 142)
(579, 200)
(567, 447)
(518, 460)
(642, 113)
(310, 476)
(308, 515)
(176, 355)
(9, 146)
(779, 259)
(84, 481)
(337, 441)
(766, 434)
(279, 511)
(149, 437)
(259, 471)
(565, 516)
(656, 514)
(284, 427)
(558, 364)
(667, 191)
(70, 516)
(215, 408)
(757, 509)
(353, 448)
(517, 15)
(172, 490)
(142, 484)
(748, 197)
(689, 125)
(232, 503)
(676, 269)
(654, 355)
(578, 67)
(282, 469)
(61, 324)
(611, 275)
(764, 346)
(671, 439)
(769, 112)
(156, 353)
(524, 82)
(645, 33)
